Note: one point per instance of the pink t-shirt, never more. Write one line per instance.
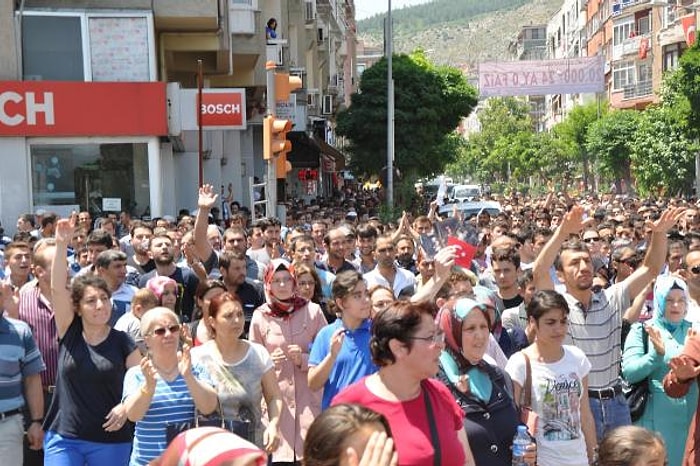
(409, 422)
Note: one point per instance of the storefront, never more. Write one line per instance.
(81, 146)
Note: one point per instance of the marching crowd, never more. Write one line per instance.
(336, 339)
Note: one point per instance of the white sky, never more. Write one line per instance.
(367, 8)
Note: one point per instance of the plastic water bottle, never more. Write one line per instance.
(520, 443)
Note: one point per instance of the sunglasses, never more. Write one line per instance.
(591, 240)
(161, 331)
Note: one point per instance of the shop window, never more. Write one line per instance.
(81, 176)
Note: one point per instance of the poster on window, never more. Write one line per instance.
(119, 49)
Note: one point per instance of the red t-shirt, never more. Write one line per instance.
(409, 422)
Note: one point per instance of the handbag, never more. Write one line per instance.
(637, 394)
(527, 416)
(244, 427)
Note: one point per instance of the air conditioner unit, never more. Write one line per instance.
(311, 100)
(327, 108)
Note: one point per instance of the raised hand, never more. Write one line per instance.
(667, 220)
(184, 361)
(9, 299)
(656, 339)
(65, 228)
(149, 373)
(337, 341)
(684, 369)
(573, 221)
(444, 261)
(379, 451)
(207, 197)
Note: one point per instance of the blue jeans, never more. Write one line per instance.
(610, 413)
(66, 451)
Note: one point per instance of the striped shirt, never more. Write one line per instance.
(171, 403)
(597, 331)
(19, 357)
(35, 309)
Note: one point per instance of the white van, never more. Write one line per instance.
(465, 192)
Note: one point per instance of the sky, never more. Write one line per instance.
(367, 8)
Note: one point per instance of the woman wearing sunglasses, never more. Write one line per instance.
(86, 423)
(426, 422)
(482, 390)
(165, 388)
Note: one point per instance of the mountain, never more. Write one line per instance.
(460, 33)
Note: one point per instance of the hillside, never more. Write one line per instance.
(460, 33)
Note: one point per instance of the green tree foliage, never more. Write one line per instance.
(573, 131)
(429, 103)
(663, 160)
(611, 140)
(687, 83)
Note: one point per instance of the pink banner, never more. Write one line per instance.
(542, 77)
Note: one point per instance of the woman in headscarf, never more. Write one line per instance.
(481, 389)
(287, 325)
(665, 334)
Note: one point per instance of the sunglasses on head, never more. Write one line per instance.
(161, 331)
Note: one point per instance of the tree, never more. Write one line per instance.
(687, 83)
(610, 140)
(573, 131)
(429, 103)
(663, 159)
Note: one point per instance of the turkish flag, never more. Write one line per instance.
(643, 48)
(688, 23)
(465, 252)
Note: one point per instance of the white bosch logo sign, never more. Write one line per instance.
(15, 108)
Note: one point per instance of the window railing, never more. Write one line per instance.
(640, 89)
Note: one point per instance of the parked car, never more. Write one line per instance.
(470, 208)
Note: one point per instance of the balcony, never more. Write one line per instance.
(186, 15)
(618, 6)
(640, 89)
(242, 16)
(630, 46)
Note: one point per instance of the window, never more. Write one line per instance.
(643, 25)
(74, 46)
(52, 48)
(84, 174)
(671, 54)
(622, 32)
(644, 73)
(623, 75)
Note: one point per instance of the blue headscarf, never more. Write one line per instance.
(664, 285)
(453, 363)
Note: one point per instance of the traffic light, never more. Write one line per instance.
(284, 85)
(283, 166)
(275, 137)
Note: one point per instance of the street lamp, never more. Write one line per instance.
(390, 113)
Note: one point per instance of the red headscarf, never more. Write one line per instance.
(282, 307)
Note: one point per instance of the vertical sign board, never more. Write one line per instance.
(542, 77)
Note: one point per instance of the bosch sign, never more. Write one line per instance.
(69, 108)
(223, 109)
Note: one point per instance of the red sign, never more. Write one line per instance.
(69, 108)
(222, 109)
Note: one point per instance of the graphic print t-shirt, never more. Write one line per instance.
(556, 397)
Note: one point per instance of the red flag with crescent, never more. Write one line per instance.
(689, 27)
(465, 252)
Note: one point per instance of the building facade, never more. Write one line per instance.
(98, 109)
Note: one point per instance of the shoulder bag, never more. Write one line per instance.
(527, 416)
(434, 437)
(637, 394)
(244, 428)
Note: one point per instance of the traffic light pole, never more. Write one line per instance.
(390, 113)
(271, 182)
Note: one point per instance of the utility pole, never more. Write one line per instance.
(271, 182)
(390, 113)
(200, 135)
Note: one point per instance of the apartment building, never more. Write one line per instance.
(531, 44)
(640, 40)
(98, 104)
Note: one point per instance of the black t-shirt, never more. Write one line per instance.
(252, 296)
(512, 302)
(187, 287)
(89, 385)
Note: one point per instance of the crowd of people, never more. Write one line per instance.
(338, 339)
